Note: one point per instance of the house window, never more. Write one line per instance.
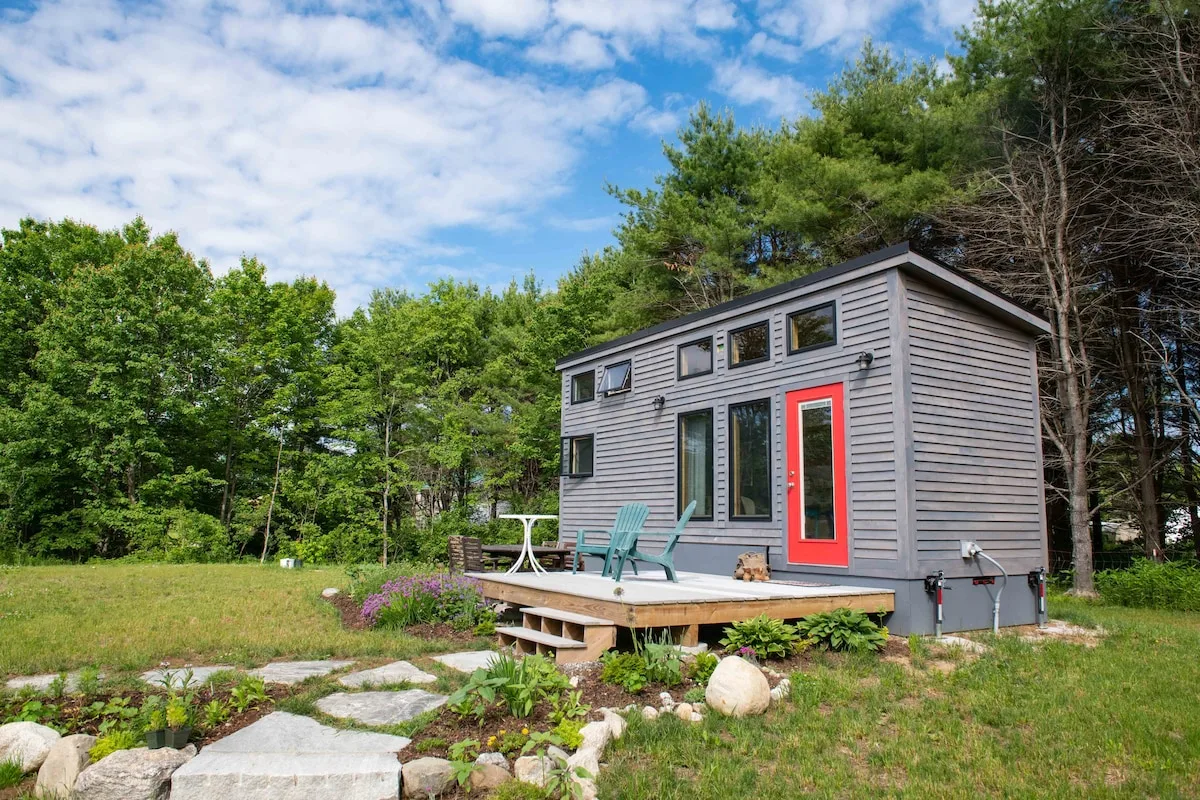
(577, 456)
(696, 358)
(812, 328)
(696, 462)
(583, 386)
(750, 460)
(750, 344)
(617, 378)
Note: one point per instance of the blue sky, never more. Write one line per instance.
(389, 144)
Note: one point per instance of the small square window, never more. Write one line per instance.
(617, 378)
(577, 456)
(583, 387)
(750, 344)
(812, 328)
(696, 358)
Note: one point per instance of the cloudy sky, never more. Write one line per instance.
(389, 144)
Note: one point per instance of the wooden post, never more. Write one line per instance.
(689, 635)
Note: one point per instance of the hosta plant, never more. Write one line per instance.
(765, 636)
(844, 629)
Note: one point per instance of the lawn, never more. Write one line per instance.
(131, 617)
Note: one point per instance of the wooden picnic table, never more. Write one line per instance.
(559, 554)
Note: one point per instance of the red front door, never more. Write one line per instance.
(818, 526)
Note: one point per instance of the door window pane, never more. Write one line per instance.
(583, 386)
(749, 344)
(813, 327)
(750, 460)
(695, 358)
(696, 462)
(816, 469)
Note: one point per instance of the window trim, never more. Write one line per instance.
(770, 464)
(712, 478)
(565, 444)
(712, 361)
(729, 344)
(832, 304)
(607, 367)
(571, 398)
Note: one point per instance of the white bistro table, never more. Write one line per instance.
(527, 548)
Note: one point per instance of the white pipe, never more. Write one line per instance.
(1000, 591)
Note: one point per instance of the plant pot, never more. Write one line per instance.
(178, 737)
(156, 739)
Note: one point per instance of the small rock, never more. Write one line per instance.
(666, 701)
(532, 769)
(557, 753)
(630, 707)
(26, 743)
(615, 722)
(596, 735)
(696, 717)
(737, 688)
(489, 776)
(587, 788)
(650, 713)
(959, 641)
(587, 758)
(574, 681)
(427, 777)
(331, 592)
(684, 711)
(699, 708)
(67, 758)
(138, 774)
(495, 759)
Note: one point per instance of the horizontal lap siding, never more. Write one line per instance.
(976, 470)
(635, 450)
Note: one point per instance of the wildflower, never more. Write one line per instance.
(502, 731)
(524, 731)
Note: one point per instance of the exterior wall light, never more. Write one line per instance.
(659, 402)
(865, 359)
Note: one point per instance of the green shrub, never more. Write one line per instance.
(111, 742)
(843, 629)
(515, 686)
(627, 670)
(664, 663)
(702, 667)
(765, 636)
(1173, 585)
(568, 731)
(10, 774)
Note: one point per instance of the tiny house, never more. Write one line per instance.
(861, 426)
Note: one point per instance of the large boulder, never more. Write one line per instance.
(138, 774)
(737, 688)
(487, 777)
(26, 743)
(427, 777)
(67, 758)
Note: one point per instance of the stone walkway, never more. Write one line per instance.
(380, 708)
(396, 672)
(41, 683)
(288, 757)
(289, 672)
(468, 661)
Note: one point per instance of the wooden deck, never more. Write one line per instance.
(697, 599)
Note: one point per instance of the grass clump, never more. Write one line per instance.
(1173, 585)
(11, 774)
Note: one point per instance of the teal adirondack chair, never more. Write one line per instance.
(629, 521)
(665, 559)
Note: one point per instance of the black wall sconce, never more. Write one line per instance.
(865, 359)
(659, 402)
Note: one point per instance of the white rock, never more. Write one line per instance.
(557, 753)
(427, 776)
(683, 711)
(699, 708)
(138, 774)
(67, 758)
(650, 713)
(495, 759)
(587, 788)
(666, 701)
(588, 758)
(615, 722)
(468, 661)
(596, 735)
(332, 591)
(532, 769)
(737, 688)
(696, 717)
(26, 743)
(962, 642)
(574, 681)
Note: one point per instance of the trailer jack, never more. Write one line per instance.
(935, 584)
(1037, 582)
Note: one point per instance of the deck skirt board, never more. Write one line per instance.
(698, 599)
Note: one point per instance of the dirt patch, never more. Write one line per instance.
(25, 787)
(351, 611)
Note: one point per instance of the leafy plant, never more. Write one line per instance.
(561, 780)
(157, 721)
(694, 695)
(177, 714)
(664, 663)
(486, 626)
(843, 629)
(1173, 585)
(568, 731)
(462, 760)
(568, 706)
(215, 713)
(89, 681)
(627, 670)
(250, 691)
(702, 667)
(768, 637)
(58, 686)
(10, 774)
(111, 742)
(440, 597)
(35, 711)
(514, 685)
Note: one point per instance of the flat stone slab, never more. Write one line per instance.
(155, 677)
(396, 672)
(289, 672)
(289, 757)
(380, 708)
(469, 661)
(41, 683)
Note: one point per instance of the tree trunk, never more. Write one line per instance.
(271, 505)
(387, 480)
(227, 494)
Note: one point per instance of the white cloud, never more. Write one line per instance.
(948, 14)
(761, 44)
(841, 24)
(501, 17)
(578, 49)
(327, 145)
(748, 84)
(582, 224)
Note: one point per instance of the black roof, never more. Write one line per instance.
(891, 251)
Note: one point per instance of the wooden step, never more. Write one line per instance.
(548, 639)
(542, 635)
(566, 616)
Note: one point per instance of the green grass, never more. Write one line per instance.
(130, 617)
(10, 774)
(1057, 720)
